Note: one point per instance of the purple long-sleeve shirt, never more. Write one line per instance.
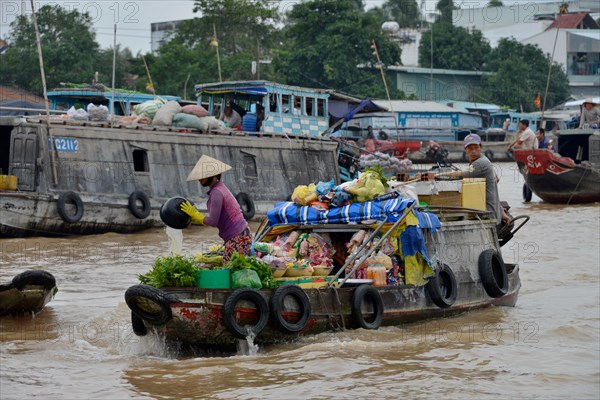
(224, 212)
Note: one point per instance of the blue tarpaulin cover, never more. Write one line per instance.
(289, 213)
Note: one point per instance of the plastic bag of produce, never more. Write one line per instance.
(77, 113)
(149, 108)
(97, 113)
(245, 278)
(304, 195)
(164, 115)
(325, 187)
(182, 120)
(196, 110)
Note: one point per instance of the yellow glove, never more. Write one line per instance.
(197, 216)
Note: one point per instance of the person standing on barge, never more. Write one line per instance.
(224, 212)
(481, 167)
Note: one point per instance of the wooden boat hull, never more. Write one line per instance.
(104, 166)
(197, 317)
(197, 322)
(29, 292)
(557, 179)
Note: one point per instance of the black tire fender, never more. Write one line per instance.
(442, 287)
(229, 312)
(137, 212)
(70, 197)
(359, 295)
(34, 277)
(527, 193)
(137, 325)
(489, 154)
(246, 204)
(150, 304)
(492, 272)
(277, 302)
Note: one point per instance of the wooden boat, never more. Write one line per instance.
(28, 292)
(469, 274)
(85, 177)
(571, 177)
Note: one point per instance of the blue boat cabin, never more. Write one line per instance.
(288, 110)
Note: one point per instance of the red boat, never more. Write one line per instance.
(570, 178)
(400, 149)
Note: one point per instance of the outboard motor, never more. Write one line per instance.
(507, 231)
(437, 154)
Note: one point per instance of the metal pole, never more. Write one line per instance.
(218, 57)
(114, 69)
(41, 61)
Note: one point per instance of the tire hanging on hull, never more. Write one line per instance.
(492, 272)
(246, 204)
(442, 287)
(144, 211)
(229, 313)
(277, 303)
(61, 205)
(150, 304)
(358, 297)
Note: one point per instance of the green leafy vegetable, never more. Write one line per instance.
(377, 171)
(171, 271)
(240, 262)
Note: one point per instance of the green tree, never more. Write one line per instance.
(453, 48)
(445, 8)
(241, 24)
(69, 49)
(326, 41)
(495, 3)
(244, 29)
(520, 72)
(404, 12)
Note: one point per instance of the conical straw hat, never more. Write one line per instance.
(207, 167)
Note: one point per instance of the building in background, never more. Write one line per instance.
(162, 33)
(439, 85)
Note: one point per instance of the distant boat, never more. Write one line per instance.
(571, 177)
(28, 292)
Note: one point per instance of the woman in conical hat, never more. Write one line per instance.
(224, 212)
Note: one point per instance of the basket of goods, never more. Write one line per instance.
(298, 268)
(322, 270)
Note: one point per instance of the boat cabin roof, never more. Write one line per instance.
(258, 88)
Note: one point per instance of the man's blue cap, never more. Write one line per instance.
(472, 138)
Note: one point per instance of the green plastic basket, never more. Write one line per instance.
(215, 279)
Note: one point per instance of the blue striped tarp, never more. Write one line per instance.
(289, 213)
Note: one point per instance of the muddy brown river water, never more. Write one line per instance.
(548, 346)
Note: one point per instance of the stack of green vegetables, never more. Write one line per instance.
(240, 262)
(172, 271)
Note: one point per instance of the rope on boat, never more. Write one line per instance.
(576, 187)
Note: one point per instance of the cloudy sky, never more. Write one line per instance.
(133, 17)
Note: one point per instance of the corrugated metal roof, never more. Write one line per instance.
(574, 20)
(415, 106)
(593, 34)
(436, 71)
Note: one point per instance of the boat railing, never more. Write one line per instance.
(362, 253)
(172, 129)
